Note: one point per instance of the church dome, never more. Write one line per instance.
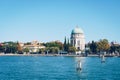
(77, 30)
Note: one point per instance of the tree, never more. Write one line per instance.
(42, 50)
(54, 44)
(103, 45)
(10, 47)
(53, 50)
(72, 49)
(65, 45)
(28, 43)
(1, 48)
(68, 45)
(26, 50)
(93, 47)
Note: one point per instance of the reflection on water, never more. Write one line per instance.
(94, 69)
(58, 68)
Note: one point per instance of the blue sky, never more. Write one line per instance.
(48, 20)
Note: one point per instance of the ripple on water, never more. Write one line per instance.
(58, 68)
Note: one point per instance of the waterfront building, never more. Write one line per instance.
(21, 44)
(33, 46)
(114, 43)
(78, 39)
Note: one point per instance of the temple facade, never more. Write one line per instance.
(78, 39)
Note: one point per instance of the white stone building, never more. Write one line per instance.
(34, 46)
(78, 39)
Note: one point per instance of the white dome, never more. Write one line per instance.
(77, 30)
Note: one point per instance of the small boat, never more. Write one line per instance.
(79, 66)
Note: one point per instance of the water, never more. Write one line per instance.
(58, 68)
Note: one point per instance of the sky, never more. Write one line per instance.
(50, 20)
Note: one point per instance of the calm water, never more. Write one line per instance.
(58, 68)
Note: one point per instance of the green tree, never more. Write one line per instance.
(54, 44)
(65, 45)
(1, 48)
(10, 47)
(42, 50)
(103, 45)
(93, 47)
(26, 50)
(72, 49)
(53, 50)
(68, 45)
(28, 43)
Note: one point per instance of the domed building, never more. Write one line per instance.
(78, 39)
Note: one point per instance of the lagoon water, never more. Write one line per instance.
(58, 68)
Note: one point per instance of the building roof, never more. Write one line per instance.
(77, 30)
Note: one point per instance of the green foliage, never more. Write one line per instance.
(72, 49)
(65, 45)
(54, 44)
(100, 46)
(54, 50)
(42, 50)
(93, 47)
(1, 48)
(28, 43)
(51, 50)
(26, 50)
(103, 45)
(10, 47)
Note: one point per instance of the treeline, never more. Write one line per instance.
(10, 47)
(50, 47)
(58, 47)
(94, 47)
(103, 45)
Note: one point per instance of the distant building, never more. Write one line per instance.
(78, 39)
(21, 44)
(34, 46)
(114, 43)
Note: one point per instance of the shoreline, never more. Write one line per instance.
(64, 55)
(40, 55)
